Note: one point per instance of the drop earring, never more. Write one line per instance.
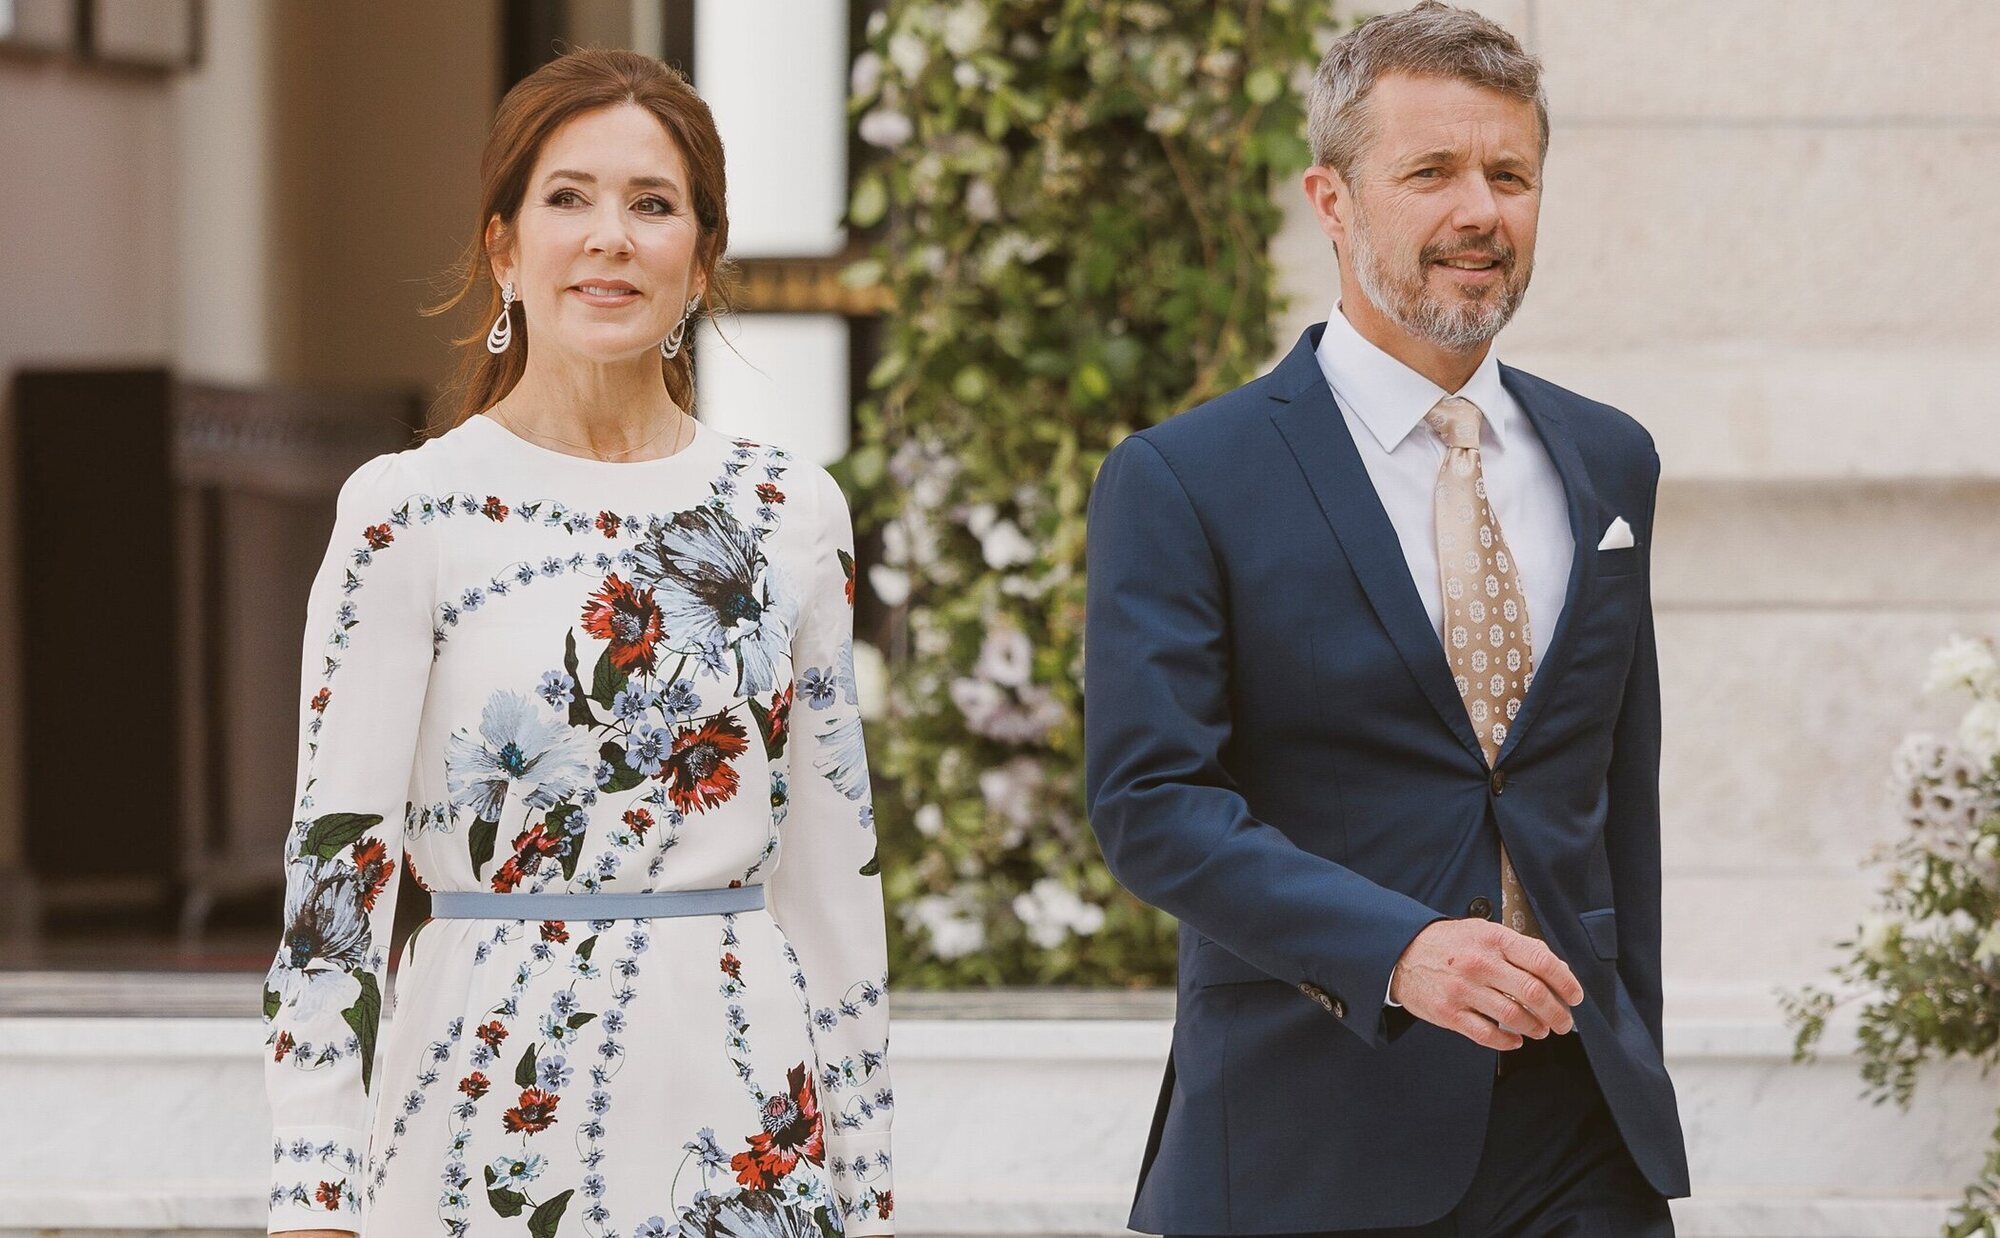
(502, 334)
(671, 346)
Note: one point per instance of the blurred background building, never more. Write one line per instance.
(1765, 234)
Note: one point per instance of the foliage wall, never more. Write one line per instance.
(1074, 209)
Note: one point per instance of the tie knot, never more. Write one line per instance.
(1455, 419)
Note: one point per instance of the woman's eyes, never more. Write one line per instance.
(666, 207)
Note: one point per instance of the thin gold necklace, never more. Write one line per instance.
(594, 454)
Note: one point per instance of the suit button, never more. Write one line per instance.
(1499, 781)
(1479, 908)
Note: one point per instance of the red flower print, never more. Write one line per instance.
(791, 1130)
(732, 967)
(320, 698)
(769, 493)
(475, 1084)
(555, 930)
(885, 1203)
(640, 820)
(493, 508)
(371, 860)
(328, 1195)
(492, 1033)
(697, 772)
(378, 536)
(530, 846)
(536, 1112)
(284, 1046)
(629, 619)
(411, 868)
(607, 523)
(777, 719)
(847, 570)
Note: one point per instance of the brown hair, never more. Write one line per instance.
(1431, 39)
(535, 108)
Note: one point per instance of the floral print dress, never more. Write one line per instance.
(527, 671)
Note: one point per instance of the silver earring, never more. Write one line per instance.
(671, 346)
(502, 333)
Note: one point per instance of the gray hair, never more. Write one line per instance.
(1432, 39)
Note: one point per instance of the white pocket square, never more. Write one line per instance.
(1618, 536)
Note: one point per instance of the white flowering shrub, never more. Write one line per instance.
(1074, 214)
(1926, 966)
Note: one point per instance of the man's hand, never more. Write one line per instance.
(1486, 982)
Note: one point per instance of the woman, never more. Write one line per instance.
(586, 666)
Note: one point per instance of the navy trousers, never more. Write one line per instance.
(1554, 1164)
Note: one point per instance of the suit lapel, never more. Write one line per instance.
(1311, 424)
(1585, 519)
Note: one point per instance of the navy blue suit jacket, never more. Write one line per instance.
(1277, 755)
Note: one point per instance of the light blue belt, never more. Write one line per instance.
(653, 904)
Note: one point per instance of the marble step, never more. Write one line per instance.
(1032, 1108)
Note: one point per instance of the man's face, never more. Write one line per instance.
(1453, 176)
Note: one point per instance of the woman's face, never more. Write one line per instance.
(607, 207)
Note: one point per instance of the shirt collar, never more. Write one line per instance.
(1390, 398)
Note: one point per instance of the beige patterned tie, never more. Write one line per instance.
(1486, 633)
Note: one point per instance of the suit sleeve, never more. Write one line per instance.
(826, 893)
(1632, 824)
(1173, 826)
(364, 674)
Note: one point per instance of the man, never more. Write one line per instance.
(1373, 708)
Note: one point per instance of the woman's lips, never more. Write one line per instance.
(617, 299)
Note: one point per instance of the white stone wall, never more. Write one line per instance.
(1767, 233)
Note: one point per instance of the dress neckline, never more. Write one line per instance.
(695, 446)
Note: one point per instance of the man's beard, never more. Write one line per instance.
(1452, 322)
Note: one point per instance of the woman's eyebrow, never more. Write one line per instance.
(642, 182)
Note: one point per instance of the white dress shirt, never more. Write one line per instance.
(1384, 401)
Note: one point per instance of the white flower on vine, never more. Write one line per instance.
(1009, 248)
(909, 54)
(1166, 118)
(965, 28)
(1963, 663)
(910, 541)
(1921, 758)
(1009, 790)
(951, 922)
(1988, 947)
(1003, 546)
(989, 710)
(1052, 911)
(866, 74)
(1006, 656)
(930, 820)
(891, 584)
(966, 74)
(981, 203)
(1979, 734)
(886, 128)
(1876, 936)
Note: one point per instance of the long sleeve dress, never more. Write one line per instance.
(529, 671)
